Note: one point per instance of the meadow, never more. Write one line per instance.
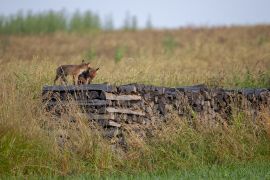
(229, 57)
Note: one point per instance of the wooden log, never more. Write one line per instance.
(109, 116)
(129, 88)
(111, 132)
(87, 87)
(124, 111)
(110, 96)
(113, 124)
(195, 88)
(95, 102)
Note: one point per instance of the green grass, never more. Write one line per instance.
(169, 44)
(119, 54)
(22, 155)
(255, 170)
(251, 80)
(28, 151)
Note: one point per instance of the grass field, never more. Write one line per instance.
(247, 171)
(224, 57)
(240, 171)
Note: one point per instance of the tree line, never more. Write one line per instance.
(52, 21)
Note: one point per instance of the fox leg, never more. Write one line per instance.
(64, 79)
(74, 80)
(81, 80)
(85, 80)
(89, 81)
(56, 78)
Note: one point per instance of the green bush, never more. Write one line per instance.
(169, 44)
(119, 54)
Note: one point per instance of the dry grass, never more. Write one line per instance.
(230, 57)
(222, 56)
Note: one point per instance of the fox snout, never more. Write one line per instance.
(94, 73)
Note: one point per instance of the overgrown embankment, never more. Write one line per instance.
(141, 109)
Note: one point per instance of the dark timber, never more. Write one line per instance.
(147, 106)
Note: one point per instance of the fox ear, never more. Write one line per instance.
(97, 69)
(83, 61)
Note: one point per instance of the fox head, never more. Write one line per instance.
(92, 72)
(87, 64)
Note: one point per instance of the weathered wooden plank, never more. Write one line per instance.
(110, 96)
(124, 111)
(95, 116)
(192, 88)
(108, 123)
(114, 124)
(87, 87)
(128, 88)
(94, 102)
(109, 116)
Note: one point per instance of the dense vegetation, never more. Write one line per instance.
(224, 57)
(51, 21)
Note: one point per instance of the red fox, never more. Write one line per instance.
(87, 76)
(72, 70)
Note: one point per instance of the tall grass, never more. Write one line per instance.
(36, 143)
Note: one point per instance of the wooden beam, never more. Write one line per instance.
(95, 102)
(124, 111)
(101, 116)
(87, 87)
(110, 96)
